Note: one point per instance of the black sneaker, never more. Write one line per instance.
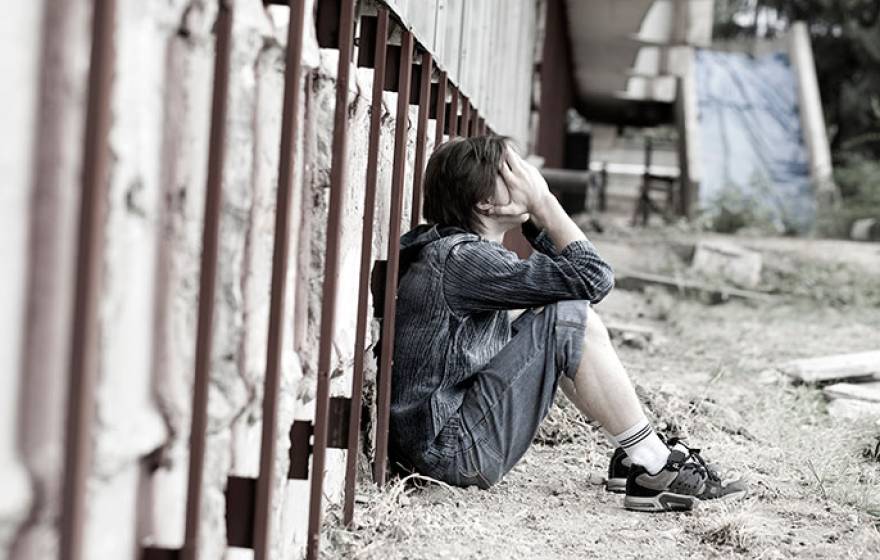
(674, 488)
(618, 470)
(716, 487)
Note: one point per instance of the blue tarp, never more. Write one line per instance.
(752, 153)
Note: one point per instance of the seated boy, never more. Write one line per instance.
(470, 386)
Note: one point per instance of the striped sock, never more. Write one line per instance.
(643, 446)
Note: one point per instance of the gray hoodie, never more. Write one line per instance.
(454, 292)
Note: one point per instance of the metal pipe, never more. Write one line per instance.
(205, 328)
(421, 134)
(465, 117)
(453, 112)
(331, 272)
(289, 126)
(441, 109)
(397, 175)
(83, 358)
(357, 380)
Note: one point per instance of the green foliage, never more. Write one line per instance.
(858, 179)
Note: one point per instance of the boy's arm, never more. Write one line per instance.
(482, 276)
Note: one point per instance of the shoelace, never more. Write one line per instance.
(694, 452)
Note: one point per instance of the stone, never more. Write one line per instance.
(866, 229)
(729, 262)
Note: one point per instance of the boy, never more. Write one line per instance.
(470, 387)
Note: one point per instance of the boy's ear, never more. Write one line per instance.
(485, 206)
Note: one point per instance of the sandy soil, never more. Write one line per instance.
(815, 493)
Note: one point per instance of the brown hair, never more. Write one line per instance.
(461, 173)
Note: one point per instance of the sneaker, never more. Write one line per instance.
(716, 487)
(675, 488)
(618, 471)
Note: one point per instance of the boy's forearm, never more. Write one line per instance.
(560, 228)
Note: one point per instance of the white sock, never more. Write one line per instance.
(643, 446)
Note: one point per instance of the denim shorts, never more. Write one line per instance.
(509, 397)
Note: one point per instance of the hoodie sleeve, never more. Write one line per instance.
(485, 276)
(538, 238)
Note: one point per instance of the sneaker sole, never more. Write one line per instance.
(664, 501)
(616, 485)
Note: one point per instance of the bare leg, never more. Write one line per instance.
(602, 389)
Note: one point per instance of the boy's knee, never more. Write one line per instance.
(596, 331)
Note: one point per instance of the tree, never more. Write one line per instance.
(846, 48)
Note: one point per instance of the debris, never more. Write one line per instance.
(637, 336)
(868, 392)
(726, 261)
(712, 295)
(859, 365)
(851, 409)
(866, 229)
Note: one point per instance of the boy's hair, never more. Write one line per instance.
(460, 173)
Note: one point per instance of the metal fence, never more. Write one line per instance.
(407, 68)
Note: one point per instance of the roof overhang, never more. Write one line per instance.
(626, 55)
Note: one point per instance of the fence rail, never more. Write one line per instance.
(418, 80)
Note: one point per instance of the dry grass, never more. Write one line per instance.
(814, 480)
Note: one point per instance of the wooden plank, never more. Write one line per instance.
(839, 366)
(640, 280)
(868, 392)
(851, 409)
(628, 330)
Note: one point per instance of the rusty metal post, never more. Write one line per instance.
(331, 272)
(453, 112)
(465, 117)
(397, 175)
(289, 126)
(421, 134)
(205, 328)
(441, 109)
(83, 359)
(357, 380)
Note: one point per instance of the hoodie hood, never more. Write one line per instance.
(413, 241)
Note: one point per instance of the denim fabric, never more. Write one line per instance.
(453, 295)
(509, 398)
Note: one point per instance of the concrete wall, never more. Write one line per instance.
(159, 145)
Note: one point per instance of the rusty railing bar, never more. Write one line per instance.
(453, 111)
(357, 380)
(204, 334)
(289, 126)
(83, 353)
(441, 109)
(465, 117)
(397, 176)
(331, 270)
(421, 138)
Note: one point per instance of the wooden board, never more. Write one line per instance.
(851, 409)
(628, 330)
(869, 392)
(839, 366)
(687, 288)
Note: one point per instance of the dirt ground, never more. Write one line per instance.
(815, 488)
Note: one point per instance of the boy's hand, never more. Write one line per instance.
(528, 189)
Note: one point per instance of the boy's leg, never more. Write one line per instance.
(602, 390)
